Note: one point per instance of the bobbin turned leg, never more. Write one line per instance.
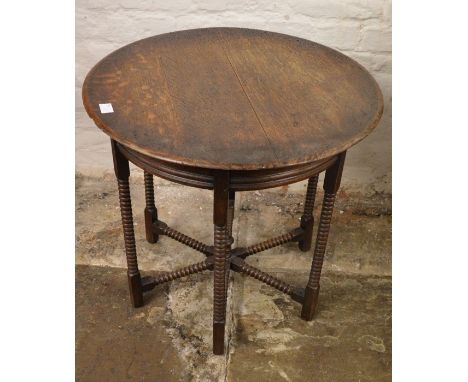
(230, 216)
(122, 172)
(220, 220)
(151, 212)
(307, 219)
(331, 185)
(230, 238)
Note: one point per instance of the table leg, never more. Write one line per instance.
(331, 185)
(230, 217)
(122, 172)
(307, 219)
(151, 212)
(230, 238)
(220, 220)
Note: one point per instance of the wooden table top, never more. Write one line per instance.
(229, 98)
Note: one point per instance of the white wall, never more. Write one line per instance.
(358, 28)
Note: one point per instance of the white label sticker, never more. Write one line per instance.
(106, 108)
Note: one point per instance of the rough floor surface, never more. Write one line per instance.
(169, 339)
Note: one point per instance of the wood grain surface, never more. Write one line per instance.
(231, 98)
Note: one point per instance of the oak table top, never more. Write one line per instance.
(230, 98)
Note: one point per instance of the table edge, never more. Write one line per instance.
(236, 166)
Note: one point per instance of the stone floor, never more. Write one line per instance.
(169, 339)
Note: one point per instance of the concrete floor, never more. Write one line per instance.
(169, 339)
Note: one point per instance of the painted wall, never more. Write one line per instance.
(358, 28)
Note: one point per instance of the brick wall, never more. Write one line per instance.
(358, 28)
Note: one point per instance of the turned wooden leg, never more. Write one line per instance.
(151, 212)
(331, 185)
(122, 172)
(230, 238)
(220, 220)
(230, 219)
(307, 219)
(230, 216)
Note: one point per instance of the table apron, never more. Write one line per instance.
(240, 180)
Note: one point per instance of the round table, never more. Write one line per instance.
(230, 109)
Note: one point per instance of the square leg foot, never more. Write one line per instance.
(310, 303)
(136, 290)
(218, 338)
